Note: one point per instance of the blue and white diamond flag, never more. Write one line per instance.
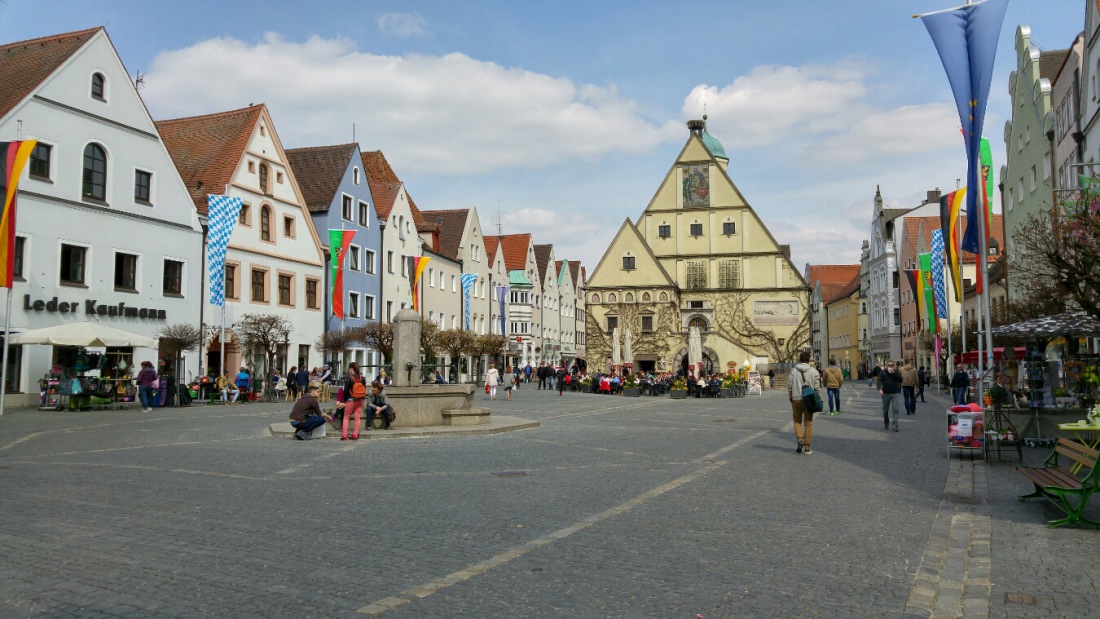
(223, 213)
(938, 287)
(468, 281)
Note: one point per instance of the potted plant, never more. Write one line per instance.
(586, 385)
(679, 390)
(630, 386)
(1062, 398)
(727, 386)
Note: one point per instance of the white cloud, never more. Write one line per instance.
(403, 24)
(448, 115)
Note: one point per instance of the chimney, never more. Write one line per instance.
(933, 195)
(435, 234)
(786, 249)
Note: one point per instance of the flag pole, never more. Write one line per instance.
(4, 365)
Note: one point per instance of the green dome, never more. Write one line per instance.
(713, 145)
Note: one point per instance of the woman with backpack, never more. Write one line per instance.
(354, 396)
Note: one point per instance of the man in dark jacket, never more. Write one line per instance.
(306, 415)
(959, 385)
(889, 387)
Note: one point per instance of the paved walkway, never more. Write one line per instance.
(612, 507)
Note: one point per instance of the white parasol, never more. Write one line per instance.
(616, 353)
(695, 350)
(628, 349)
(84, 333)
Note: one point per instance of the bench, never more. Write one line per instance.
(1058, 485)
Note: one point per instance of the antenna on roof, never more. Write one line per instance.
(139, 81)
(500, 233)
(353, 133)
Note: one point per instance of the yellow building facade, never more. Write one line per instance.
(698, 256)
(844, 334)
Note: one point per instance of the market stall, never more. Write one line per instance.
(81, 378)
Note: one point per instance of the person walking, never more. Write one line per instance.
(834, 380)
(355, 396)
(960, 383)
(146, 378)
(492, 377)
(510, 381)
(889, 387)
(301, 380)
(909, 387)
(771, 378)
(802, 374)
(561, 380)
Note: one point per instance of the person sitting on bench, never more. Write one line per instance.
(228, 390)
(378, 404)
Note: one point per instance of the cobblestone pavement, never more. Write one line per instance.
(614, 507)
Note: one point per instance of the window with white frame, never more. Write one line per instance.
(353, 305)
(368, 307)
(368, 261)
(353, 258)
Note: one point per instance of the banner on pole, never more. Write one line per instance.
(222, 213)
(468, 281)
(13, 158)
(338, 243)
(938, 288)
(502, 295)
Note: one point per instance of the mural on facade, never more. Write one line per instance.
(774, 313)
(696, 185)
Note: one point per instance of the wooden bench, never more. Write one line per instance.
(1059, 486)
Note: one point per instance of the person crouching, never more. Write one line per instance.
(306, 416)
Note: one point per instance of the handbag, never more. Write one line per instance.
(486, 387)
(810, 397)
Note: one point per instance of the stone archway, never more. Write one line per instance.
(711, 362)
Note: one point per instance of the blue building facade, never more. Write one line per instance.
(334, 187)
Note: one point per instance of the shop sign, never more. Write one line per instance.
(93, 307)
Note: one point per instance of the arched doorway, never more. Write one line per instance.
(232, 353)
(710, 361)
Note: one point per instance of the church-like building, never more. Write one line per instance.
(698, 256)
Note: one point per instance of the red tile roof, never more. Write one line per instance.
(207, 149)
(515, 251)
(542, 260)
(909, 241)
(25, 64)
(492, 243)
(451, 227)
(385, 186)
(831, 273)
(319, 170)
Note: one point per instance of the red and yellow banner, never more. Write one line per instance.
(13, 158)
(339, 241)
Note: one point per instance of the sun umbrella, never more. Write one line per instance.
(695, 350)
(616, 352)
(85, 333)
(628, 348)
(1061, 325)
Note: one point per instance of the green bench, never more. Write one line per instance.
(1058, 485)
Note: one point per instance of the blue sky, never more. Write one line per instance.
(567, 115)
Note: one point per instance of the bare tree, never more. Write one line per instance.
(490, 345)
(175, 339)
(264, 332)
(456, 343)
(336, 342)
(428, 336)
(1058, 253)
(376, 335)
(733, 322)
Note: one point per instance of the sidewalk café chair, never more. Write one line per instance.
(281, 390)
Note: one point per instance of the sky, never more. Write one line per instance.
(563, 118)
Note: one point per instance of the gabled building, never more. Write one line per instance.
(400, 220)
(825, 280)
(1025, 177)
(440, 289)
(524, 298)
(843, 312)
(882, 268)
(275, 261)
(699, 256)
(336, 192)
(105, 229)
(461, 240)
(567, 315)
(550, 307)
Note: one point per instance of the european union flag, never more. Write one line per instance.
(966, 39)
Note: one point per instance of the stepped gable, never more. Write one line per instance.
(450, 229)
(207, 149)
(24, 65)
(319, 170)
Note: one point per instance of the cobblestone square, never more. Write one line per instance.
(613, 507)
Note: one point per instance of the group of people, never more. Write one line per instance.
(899, 384)
(354, 397)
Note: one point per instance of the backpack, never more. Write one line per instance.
(568, 379)
(358, 390)
(810, 398)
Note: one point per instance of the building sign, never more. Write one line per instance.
(93, 307)
(775, 313)
(696, 185)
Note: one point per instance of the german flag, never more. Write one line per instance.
(13, 158)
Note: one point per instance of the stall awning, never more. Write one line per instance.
(84, 333)
(971, 357)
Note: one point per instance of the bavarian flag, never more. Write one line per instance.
(13, 158)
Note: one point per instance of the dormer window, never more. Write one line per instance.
(99, 87)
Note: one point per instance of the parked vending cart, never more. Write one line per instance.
(965, 427)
